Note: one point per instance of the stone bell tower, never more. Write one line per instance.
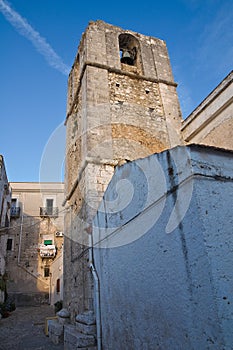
(122, 105)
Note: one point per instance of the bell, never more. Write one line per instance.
(127, 58)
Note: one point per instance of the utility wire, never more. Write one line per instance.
(25, 225)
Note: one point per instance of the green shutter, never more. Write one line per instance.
(48, 241)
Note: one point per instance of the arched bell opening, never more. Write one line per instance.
(129, 48)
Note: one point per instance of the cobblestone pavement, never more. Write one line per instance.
(24, 329)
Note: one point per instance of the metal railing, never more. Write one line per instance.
(15, 212)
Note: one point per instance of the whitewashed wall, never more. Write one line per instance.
(164, 259)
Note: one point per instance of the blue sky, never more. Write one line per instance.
(39, 40)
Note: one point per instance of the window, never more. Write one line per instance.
(9, 244)
(49, 206)
(58, 285)
(49, 209)
(15, 209)
(13, 202)
(46, 272)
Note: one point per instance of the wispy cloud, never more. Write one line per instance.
(40, 43)
(215, 42)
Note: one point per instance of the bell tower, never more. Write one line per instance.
(122, 105)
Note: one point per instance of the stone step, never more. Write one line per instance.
(74, 340)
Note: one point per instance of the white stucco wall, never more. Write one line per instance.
(166, 274)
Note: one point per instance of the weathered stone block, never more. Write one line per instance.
(86, 329)
(75, 340)
(62, 320)
(55, 327)
(56, 332)
(87, 317)
(63, 313)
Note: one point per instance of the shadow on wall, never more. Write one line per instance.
(28, 280)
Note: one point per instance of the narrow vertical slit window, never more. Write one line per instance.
(58, 286)
(9, 244)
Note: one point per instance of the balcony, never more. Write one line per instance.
(15, 212)
(49, 212)
(47, 251)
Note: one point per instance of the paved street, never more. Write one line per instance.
(24, 329)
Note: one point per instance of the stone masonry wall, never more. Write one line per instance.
(83, 206)
(115, 113)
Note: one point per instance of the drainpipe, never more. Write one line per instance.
(97, 292)
(20, 236)
(50, 288)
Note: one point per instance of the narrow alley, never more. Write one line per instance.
(24, 329)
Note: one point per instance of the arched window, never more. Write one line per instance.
(129, 48)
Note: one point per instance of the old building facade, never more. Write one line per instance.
(35, 242)
(122, 106)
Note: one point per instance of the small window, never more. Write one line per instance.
(15, 209)
(9, 244)
(58, 286)
(13, 202)
(46, 272)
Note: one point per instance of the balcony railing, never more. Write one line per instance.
(15, 212)
(47, 251)
(49, 212)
